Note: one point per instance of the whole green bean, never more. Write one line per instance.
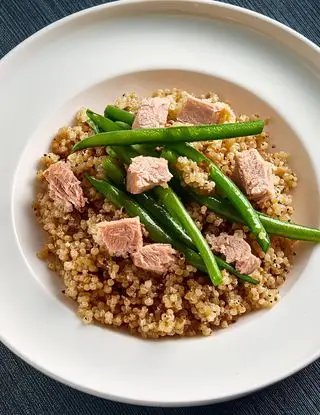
(223, 208)
(117, 114)
(233, 193)
(121, 199)
(173, 204)
(171, 135)
(117, 175)
(273, 226)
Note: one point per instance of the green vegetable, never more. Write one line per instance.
(117, 114)
(224, 209)
(117, 175)
(174, 206)
(122, 125)
(233, 193)
(121, 199)
(170, 135)
(114, 172)
(102, 123)
(271, 225)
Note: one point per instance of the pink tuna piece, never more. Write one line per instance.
(144, 173)
(153, 113)
(255, 175)
(200, 111)
(235, 249)
(121, 237)
(64, 187)
(155, 258)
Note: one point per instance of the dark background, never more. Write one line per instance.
(23, 390)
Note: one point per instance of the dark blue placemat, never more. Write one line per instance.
(23, 390)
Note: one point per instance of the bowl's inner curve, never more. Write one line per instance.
(144, 82)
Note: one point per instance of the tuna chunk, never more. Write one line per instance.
(144, 173)
(202, 111)
(155, 257)
(254, 174)
(121, 237)
(153, 113)
(64, 187)
(235, 249)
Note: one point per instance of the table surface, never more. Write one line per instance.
(23, 390)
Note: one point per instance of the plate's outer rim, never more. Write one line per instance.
(123, 3)
(120, 3)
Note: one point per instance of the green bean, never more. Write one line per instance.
(106, 125)
(114, 172)
(117, 114)
(273, 226)
(170, 135)
(123, 125)
(117, 175)
(103, 123)
(156, 234)
(223, 208)
(233, 193)
(173, 204)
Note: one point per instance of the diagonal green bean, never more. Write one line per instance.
(224, 209)
(233, 193)
(170, 135)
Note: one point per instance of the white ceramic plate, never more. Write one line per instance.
(89, 59)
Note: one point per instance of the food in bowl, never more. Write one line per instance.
(168, 216)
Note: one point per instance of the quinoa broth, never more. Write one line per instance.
(112, 291)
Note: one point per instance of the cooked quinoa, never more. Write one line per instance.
(112, 291)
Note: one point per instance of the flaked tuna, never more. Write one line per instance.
(121, 237)
(64, 188)
(197, 111)
(155, 258)
(236, 250)
(254, 174)
(153, 113)
(144, 173)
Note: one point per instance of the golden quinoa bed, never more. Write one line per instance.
(112, 291)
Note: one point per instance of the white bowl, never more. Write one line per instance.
(89, 59)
